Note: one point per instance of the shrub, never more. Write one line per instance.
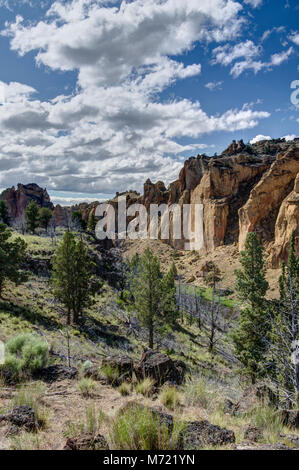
(170, 397)
(87, 387)
(125, 389)
(26, 353)
(139, 429)
(146, 387)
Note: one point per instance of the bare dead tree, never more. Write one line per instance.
(19, 224)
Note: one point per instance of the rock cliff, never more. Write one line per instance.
(246, 188)
(18, 199)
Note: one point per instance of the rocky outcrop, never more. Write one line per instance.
(55, 373)
(18, 199)
(123, 364)
(20, 418)
(201, 434)
(160, 368)
(246, 188)
(86, 441)
(260, 212)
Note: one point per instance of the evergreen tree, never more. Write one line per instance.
(12, 253)
(148, 293)
(32, 216)
(45, 215)
(71, 276)
(92, 222)
(250, 338)
(4, 217)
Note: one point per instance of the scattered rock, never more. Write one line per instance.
(160, 367)
(57, 372)
(123, 364)
(290, 418)
(20, 417)
(201, 433)
(292, 438)
(38, 266)
(87, 442)
(94, 372)
(229, 406)
(252, 433)
(262, 447)
(251, 397)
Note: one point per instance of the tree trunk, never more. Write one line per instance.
(151, 337)
(68, 316)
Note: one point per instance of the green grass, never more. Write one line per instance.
(138, 428)
(207, 294)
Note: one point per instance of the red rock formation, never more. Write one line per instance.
(18, 199)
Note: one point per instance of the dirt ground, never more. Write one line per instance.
(189, 263)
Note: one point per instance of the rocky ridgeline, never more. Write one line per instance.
(246, 188)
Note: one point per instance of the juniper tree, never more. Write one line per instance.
(12, 254)
(169, 307)
(4, 216)
(147, 291)
(45, 215)
(71, 276)
(32, 216)
(250, 337)
(92, 222)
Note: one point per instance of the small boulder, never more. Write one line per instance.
(21, 417)
(87, 441)
(123, 364)
(253, 396)
(160, 368)
(57, 372)
(201, 433)
(252, 433)
(229, 406)
(290, 418)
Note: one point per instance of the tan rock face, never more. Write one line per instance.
(287, 222)
(261, 210)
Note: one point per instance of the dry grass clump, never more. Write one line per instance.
(87, 387)
(138, 428)
(146, 387)
(170, 397)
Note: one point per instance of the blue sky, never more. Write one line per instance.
(98, 95)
